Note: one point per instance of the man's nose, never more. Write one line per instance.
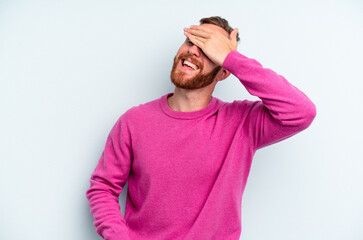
(194, 50)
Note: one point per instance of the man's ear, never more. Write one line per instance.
(222, 74)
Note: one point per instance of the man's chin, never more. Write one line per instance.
(189, 83)
(181, 81)
(197, 81)
(183, 85)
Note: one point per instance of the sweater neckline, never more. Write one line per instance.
(211, 107)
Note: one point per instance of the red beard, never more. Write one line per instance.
(199, 81)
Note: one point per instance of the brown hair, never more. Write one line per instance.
(221, 22)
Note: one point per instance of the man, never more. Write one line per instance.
(187, 155)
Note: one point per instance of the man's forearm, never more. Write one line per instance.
(286, 103)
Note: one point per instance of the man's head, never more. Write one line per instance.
(220, 22)
(192, 69)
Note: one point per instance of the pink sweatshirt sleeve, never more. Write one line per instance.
(284, 110)
(107, 182)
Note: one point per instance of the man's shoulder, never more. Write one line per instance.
(142, 110)
(239, 105)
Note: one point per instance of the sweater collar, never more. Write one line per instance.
(212, 107)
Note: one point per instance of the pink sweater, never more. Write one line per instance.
(187, 171)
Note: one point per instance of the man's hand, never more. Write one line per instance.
(215, 45)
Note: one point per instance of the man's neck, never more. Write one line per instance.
(185, 100)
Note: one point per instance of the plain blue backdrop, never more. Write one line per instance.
(69, 69)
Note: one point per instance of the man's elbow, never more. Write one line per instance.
(301, 118)
(308, 115)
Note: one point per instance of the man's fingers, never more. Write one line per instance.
(197, 32)
(195, 39)
(201, 28)
(198, 42)
(233, 35)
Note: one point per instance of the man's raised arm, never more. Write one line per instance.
(284, 110)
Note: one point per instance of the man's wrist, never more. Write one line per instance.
(227, 60)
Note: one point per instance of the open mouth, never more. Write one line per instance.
(186, 63)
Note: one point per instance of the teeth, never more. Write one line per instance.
(186, 62)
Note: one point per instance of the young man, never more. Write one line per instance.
(187, 155)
